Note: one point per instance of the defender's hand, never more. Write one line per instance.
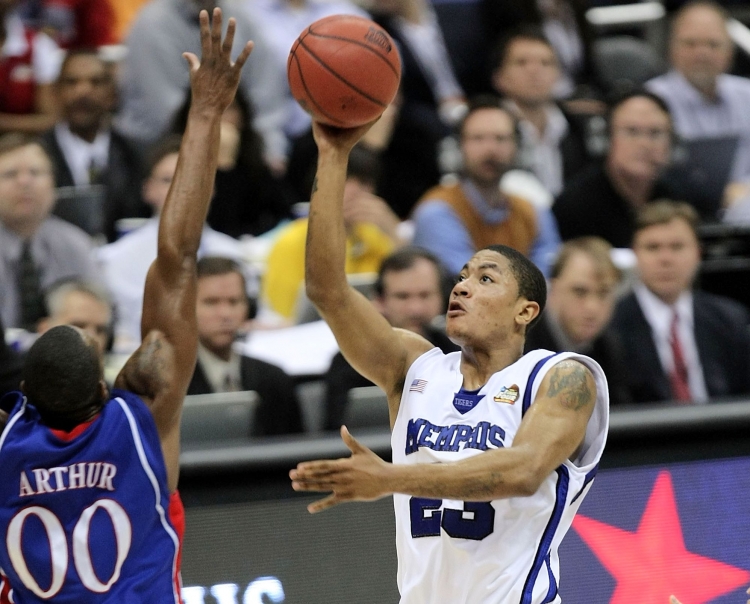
(361, 477)
(214, 78)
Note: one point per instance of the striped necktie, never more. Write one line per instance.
(679, 376)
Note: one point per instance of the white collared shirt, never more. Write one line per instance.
(81, 155)
(220, 373)
(659, 316)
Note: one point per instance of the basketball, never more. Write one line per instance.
(344, 70)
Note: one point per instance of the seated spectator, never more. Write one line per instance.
(603, 199)
(454, 221)
(248, 199)
(552, 142)
(74, 24)
(126, 261)
(432, 102)
(283, 21)
(410, 294)
(222, 309)
(97, 171)
(580, 303)
(36, 248)
(83, 305)
(681, 344)
(372, 230)
(564, 25)
(29, 62)
(706, 101)
(10, 366)
(154, 78)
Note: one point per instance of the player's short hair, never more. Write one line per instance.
(663, 211)
(531, 282)
(405, 258)
(596, 248)
(530, 32)
(214, 266)
(61, 374)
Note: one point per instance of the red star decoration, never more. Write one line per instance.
(652, 563)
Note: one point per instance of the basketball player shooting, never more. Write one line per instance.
(87, 474)
(493, 451)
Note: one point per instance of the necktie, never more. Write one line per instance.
(95, 173)
(29, 289)
(230, 384)
(679, 377)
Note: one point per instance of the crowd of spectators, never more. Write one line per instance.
(504, 148)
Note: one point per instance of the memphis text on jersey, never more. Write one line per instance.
(422, 433)
(94, 474)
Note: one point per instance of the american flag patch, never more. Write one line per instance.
(418, 386)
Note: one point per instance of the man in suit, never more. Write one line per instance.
(580, 302)
(681, 344)
(10, 366)
(97, 171)
(222, 308)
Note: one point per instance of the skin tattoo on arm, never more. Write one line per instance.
(569, 382)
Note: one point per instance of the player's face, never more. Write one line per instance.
(700, 47)
(26, 187)
(484, 308)
(582, 298)
(641, 139)
(529, 72)
(668, 257)
(411, 298)
(87, 314)
(157, 185)
(221, 310)
(488, 145)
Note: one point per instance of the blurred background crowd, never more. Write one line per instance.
(610, 142)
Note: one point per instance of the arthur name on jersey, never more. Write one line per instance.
(82, 475)
(456, 437)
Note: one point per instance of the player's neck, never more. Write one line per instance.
(478, 365)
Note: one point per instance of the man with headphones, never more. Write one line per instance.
(603, 199)
(454, 221)
(222, 308)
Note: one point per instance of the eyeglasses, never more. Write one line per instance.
(654, 135)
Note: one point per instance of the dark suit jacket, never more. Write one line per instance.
(122, 181)
(10, 366)
(341, 377)
(606, 350)
(722, 337)
(279, 410)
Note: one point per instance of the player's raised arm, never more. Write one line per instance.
(369, 343)
(160, 370)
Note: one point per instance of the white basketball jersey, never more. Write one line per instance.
(496, 552)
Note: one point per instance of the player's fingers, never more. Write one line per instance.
(205, 33)
(192, 60)
(216, 32)
(351, 442)
(244, 54)
(226, 47)
(323, 504)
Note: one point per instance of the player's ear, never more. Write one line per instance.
(526, 311)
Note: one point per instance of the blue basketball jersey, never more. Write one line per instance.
(84, 519)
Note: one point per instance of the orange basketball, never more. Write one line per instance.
(344, 70)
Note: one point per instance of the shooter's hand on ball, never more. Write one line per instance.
(330, 138)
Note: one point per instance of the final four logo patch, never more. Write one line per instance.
(507, 394)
